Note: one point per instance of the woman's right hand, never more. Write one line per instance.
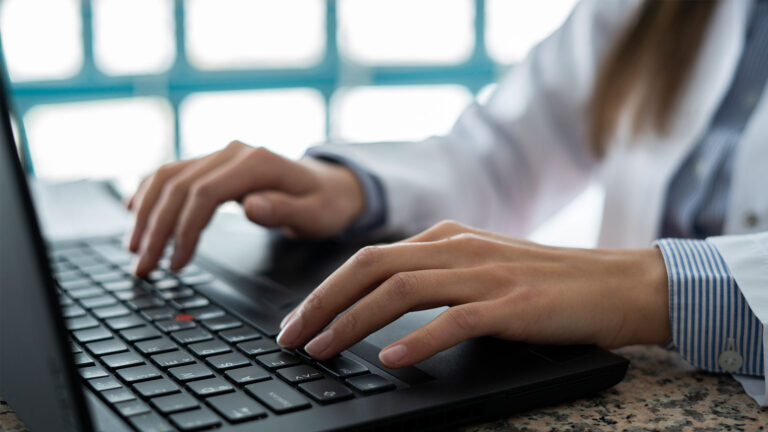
(309, 198)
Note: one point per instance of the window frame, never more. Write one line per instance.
(183, 79)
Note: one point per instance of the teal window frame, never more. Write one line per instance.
(183, 79)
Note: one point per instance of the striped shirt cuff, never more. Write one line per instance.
(712, 326)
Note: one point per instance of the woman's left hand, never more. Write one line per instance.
(494, 286)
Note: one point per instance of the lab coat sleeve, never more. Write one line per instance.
(746, 257)
(509, 164)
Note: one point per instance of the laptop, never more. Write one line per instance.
(86, 346)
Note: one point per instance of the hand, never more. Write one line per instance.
(494, 286)
(309, 198)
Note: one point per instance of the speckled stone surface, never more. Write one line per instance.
(660, 392)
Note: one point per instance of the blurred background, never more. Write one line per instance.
(114, 88)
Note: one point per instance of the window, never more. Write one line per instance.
(133, 36)
(41, 38)
(513, 27)
(122, 139)
(406, 31)
(285, 121)
(392, 113)
(241, 34)
(113, 88)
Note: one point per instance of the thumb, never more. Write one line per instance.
(276, 209)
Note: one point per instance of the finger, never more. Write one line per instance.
(147, 196)
(451, 327)
(166, 211)
(288, 317)
(398, 295)
(275, 209)
(253, 169)
(363, 271)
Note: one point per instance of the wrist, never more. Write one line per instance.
(343, 195)
(647, 307)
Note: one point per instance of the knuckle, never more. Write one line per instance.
(402, 286)
(175, 187)
(467, 239)
(235, 146)
(313, 303)
(464, 319)
(201, 191)
(367, 256)
(258, 153)
(164, 171)
(348, 323)
(447, 225)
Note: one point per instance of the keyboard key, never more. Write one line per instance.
(119, 285)
(166, 284)
(195, 420)
(173, 359)
(67, 276)
(106, 383)
(156, 387)
(247, 374)
(100, 301)
(72, 311)
(131, 294)
(326, 390)
(132, 408)
(108, 277)
(81, 323)
(142, 303)
(65, 301)
(237, 407)
(177, 293)
(278, 360)
(196, 279)
(370, 383)
(206, 313)
(125, 322)
(91, 335)
(256, 347)
(211, 347)
(73, 284)
(278, 396)
(94, 267)
(82, 360)
(150, 422)
(92, 372)
(174, 325)
(83, 293)
(109, 346)
(116, 361)
(158, 314)
(300, 374)
(190, 303)
(343, 367)
(156, 275)
(191, 336)
(140, 333)
(139, 373)
(222, 323)
(118, 395)
(190, 372)
(156, 346)
(238, 335)
(110, 311)
(227, 361)
(174, 403)
(75, 347)
(210, 387)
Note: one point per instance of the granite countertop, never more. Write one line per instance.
(660, 392)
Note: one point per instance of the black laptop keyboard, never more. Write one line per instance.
(166, 358)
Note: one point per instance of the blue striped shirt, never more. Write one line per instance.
(708, 314)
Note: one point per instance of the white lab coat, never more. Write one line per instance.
(510, 164)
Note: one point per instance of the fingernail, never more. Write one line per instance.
(393, 355)
(290, 333)
(261, 207)
(316, 346)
